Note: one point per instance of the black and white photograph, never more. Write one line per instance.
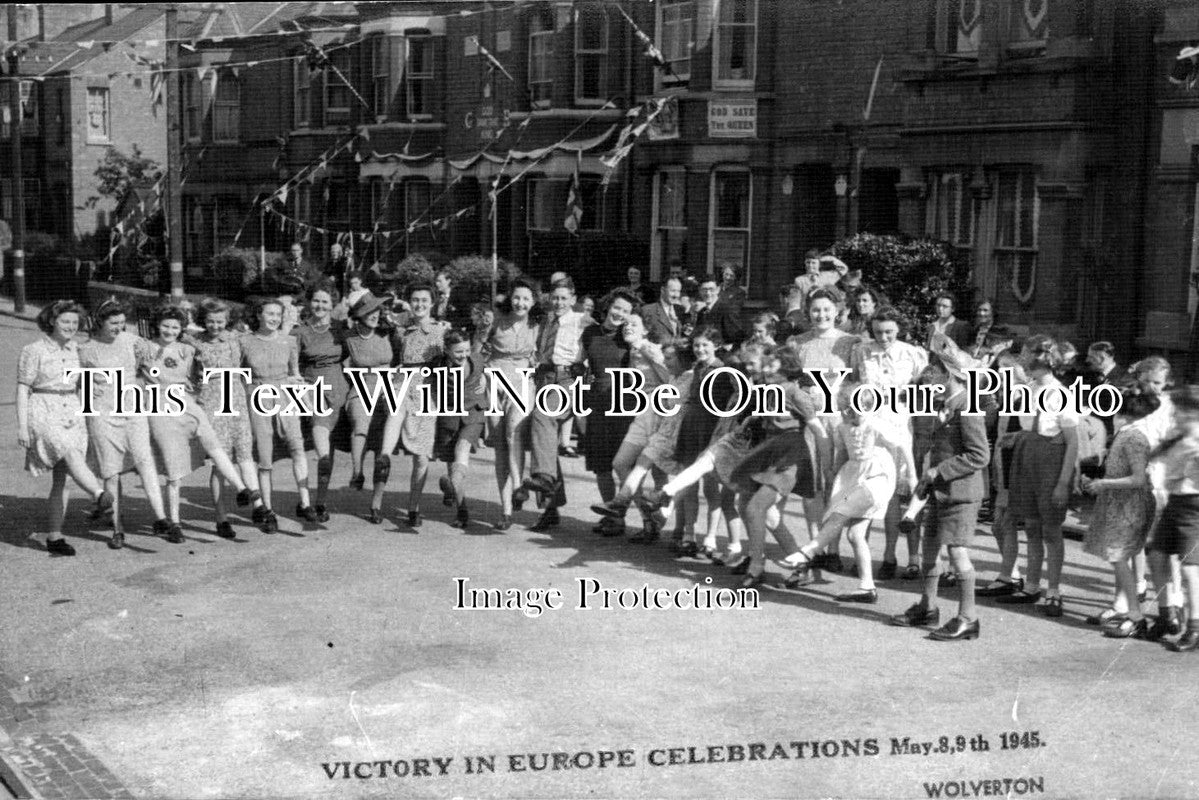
(599, 398)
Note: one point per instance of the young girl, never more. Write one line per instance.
(322, 351)
(420, 342)
(274, 360)
(765, 325)
(116, 440)
(1177, 533)
(1044, 461)
(171, 362)
(218, 347)
(865, 459)
(457, 436)
(49, 427)
(1124, 512)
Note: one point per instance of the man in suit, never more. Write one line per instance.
(714, 314)
(664, 319)
(954, 451)
(1101, 358)
(447, 305)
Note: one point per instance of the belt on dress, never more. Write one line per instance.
(55, 391)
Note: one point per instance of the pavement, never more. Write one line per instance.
(329, 661)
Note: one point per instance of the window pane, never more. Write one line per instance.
(728, 250)
(737, 11)
(672, 199)
(1028, 205)
(1006, 223)
(592, 33)
(672, 244)
(97, 115)
(737, 53)
(732, 200)
(590, 76)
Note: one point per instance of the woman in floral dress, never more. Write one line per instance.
(49, 425)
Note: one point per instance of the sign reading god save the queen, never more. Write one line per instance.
(733, 119)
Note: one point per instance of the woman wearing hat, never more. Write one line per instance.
(322, 351)
(368, 347)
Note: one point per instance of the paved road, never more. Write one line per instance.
(307, 663)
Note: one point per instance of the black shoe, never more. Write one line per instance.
(740, 566)
(611, 527)
(947, 580)
(887, 571)
(175, 534)
(1174, 620)
(225, 530)
(414, 519)
(357, 482)
(247, 496)
(162, 527)
(753, 579)
(1105, 618)
(375, 517)
(800, 576)
(538, 482)
(322, 513)
(307, 513)
(504, 524)
(956, 628)
(117, 541)
(270, 522)
(1000, 588)
(59, 547)
(868, 596)
(1128, 629)
(1052, 606)
(917, 616)
(648, 534)
(653, 500)
(1187, 642)
(258, 515)
(691, 550)
(906, 525)
(828, 562)
(613, 508)
(520, 496)
(1019, 598)
(462, 520)
(550, 518)
(448, 495)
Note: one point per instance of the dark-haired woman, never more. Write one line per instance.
(1124, 512)
(457, 435)
(864, 304)
(49, 425)
(120, 440)
(322, 351)
(217, 347)
(604, 347)
(274, 360)
(509, 347)
(171, 362)
(420, 342)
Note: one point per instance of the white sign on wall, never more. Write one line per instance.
(733, 119)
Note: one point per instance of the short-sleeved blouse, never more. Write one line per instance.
(41, 365)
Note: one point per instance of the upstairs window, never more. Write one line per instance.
(226, 107)
(380, 78)
(301, 80)
(418, 76)
(99, 129)
(591, 54)
(1030, 24)
(735, 44)
(959, 28)
(676, 38)
(541, 59)
(337, 88)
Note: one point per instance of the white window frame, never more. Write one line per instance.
(677, 77)
(424, 79)
(656, 267)
(749, 222)
(105, 136)
(1010, 255)
(301, 93)
(717, 28)
(946, 30)
(541, 81)
(599, 54)
(231, 108)
(381, 77)
(337, 115)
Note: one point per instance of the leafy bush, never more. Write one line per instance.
(910, 272)
(236, 270)
(471, 277)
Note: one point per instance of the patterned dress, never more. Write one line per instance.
(56, 428)
(1122, 516)
(234, 432)
(118, 443)
(419, 345)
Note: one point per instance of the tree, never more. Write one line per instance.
(117, 172)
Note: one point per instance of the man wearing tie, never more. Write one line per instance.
(559, 361)
(664, 319)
